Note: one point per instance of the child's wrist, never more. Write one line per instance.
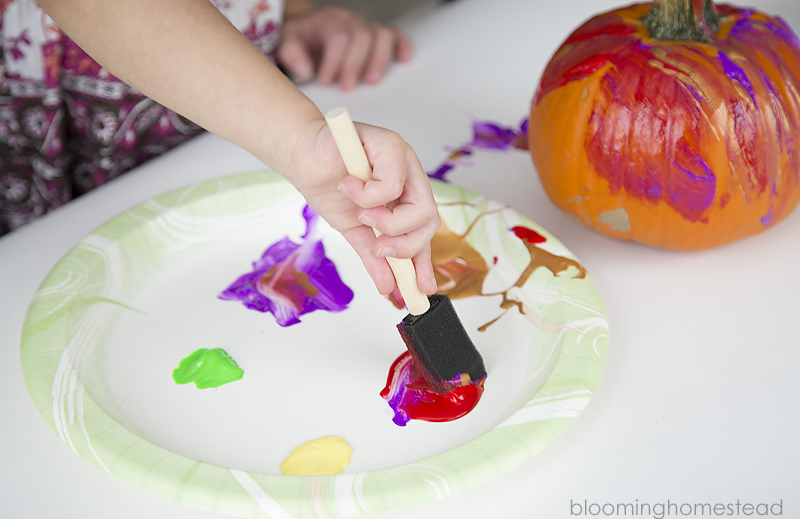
(295, 150)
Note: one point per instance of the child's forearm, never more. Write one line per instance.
(185, 55)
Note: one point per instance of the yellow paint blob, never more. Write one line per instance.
(321, 457)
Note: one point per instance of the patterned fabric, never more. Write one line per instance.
(67, 125)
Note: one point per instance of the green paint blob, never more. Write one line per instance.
(207, 368)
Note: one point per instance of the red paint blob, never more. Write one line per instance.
(412, 398)
(529, 235)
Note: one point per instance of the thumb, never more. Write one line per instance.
(295, 58)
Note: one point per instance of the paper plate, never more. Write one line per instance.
(116, 315)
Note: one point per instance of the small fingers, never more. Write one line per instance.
(374, 193)
(333, 53)
(342, 46)
(426, 280)
(414, 209)
(294, 56)
(406, 245)
(404, 49)
(382, 54)
(363, 241)
(401, 219)
(388, 155)
(355, 58)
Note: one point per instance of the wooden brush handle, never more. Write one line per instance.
(355, 160)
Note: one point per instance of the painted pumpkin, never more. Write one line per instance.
(675, 124)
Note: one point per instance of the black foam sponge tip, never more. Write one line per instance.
(438, 341)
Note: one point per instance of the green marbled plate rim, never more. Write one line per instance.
(576, 318)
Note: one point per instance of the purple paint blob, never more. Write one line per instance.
(292, 279)
(487, 135)
(441, 171)
(735, 72)
(397, 394)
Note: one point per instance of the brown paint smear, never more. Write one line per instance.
(460, 270)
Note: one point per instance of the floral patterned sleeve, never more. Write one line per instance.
(67, 125)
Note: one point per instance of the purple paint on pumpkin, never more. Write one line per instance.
(610, 83)
(695, 93)
(766, 218)
(769, 84)
(736, 73)
(741, 27)
(748, 28)
(784, 31)
(646, 185)
(654, 190)
(695, 193)
(784, 139)
(292, 279)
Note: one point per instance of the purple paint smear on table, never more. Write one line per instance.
(292, 279)
(488, 136)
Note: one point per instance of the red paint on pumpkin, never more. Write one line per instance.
(672, 132)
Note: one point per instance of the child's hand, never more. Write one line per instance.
(339, 44)
(354, 208)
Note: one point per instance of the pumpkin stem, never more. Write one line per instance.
(681, 20)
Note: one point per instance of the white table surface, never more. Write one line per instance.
(699, 401)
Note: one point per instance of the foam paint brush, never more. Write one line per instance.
(432, 331)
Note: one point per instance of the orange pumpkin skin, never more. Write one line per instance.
(678, 144)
